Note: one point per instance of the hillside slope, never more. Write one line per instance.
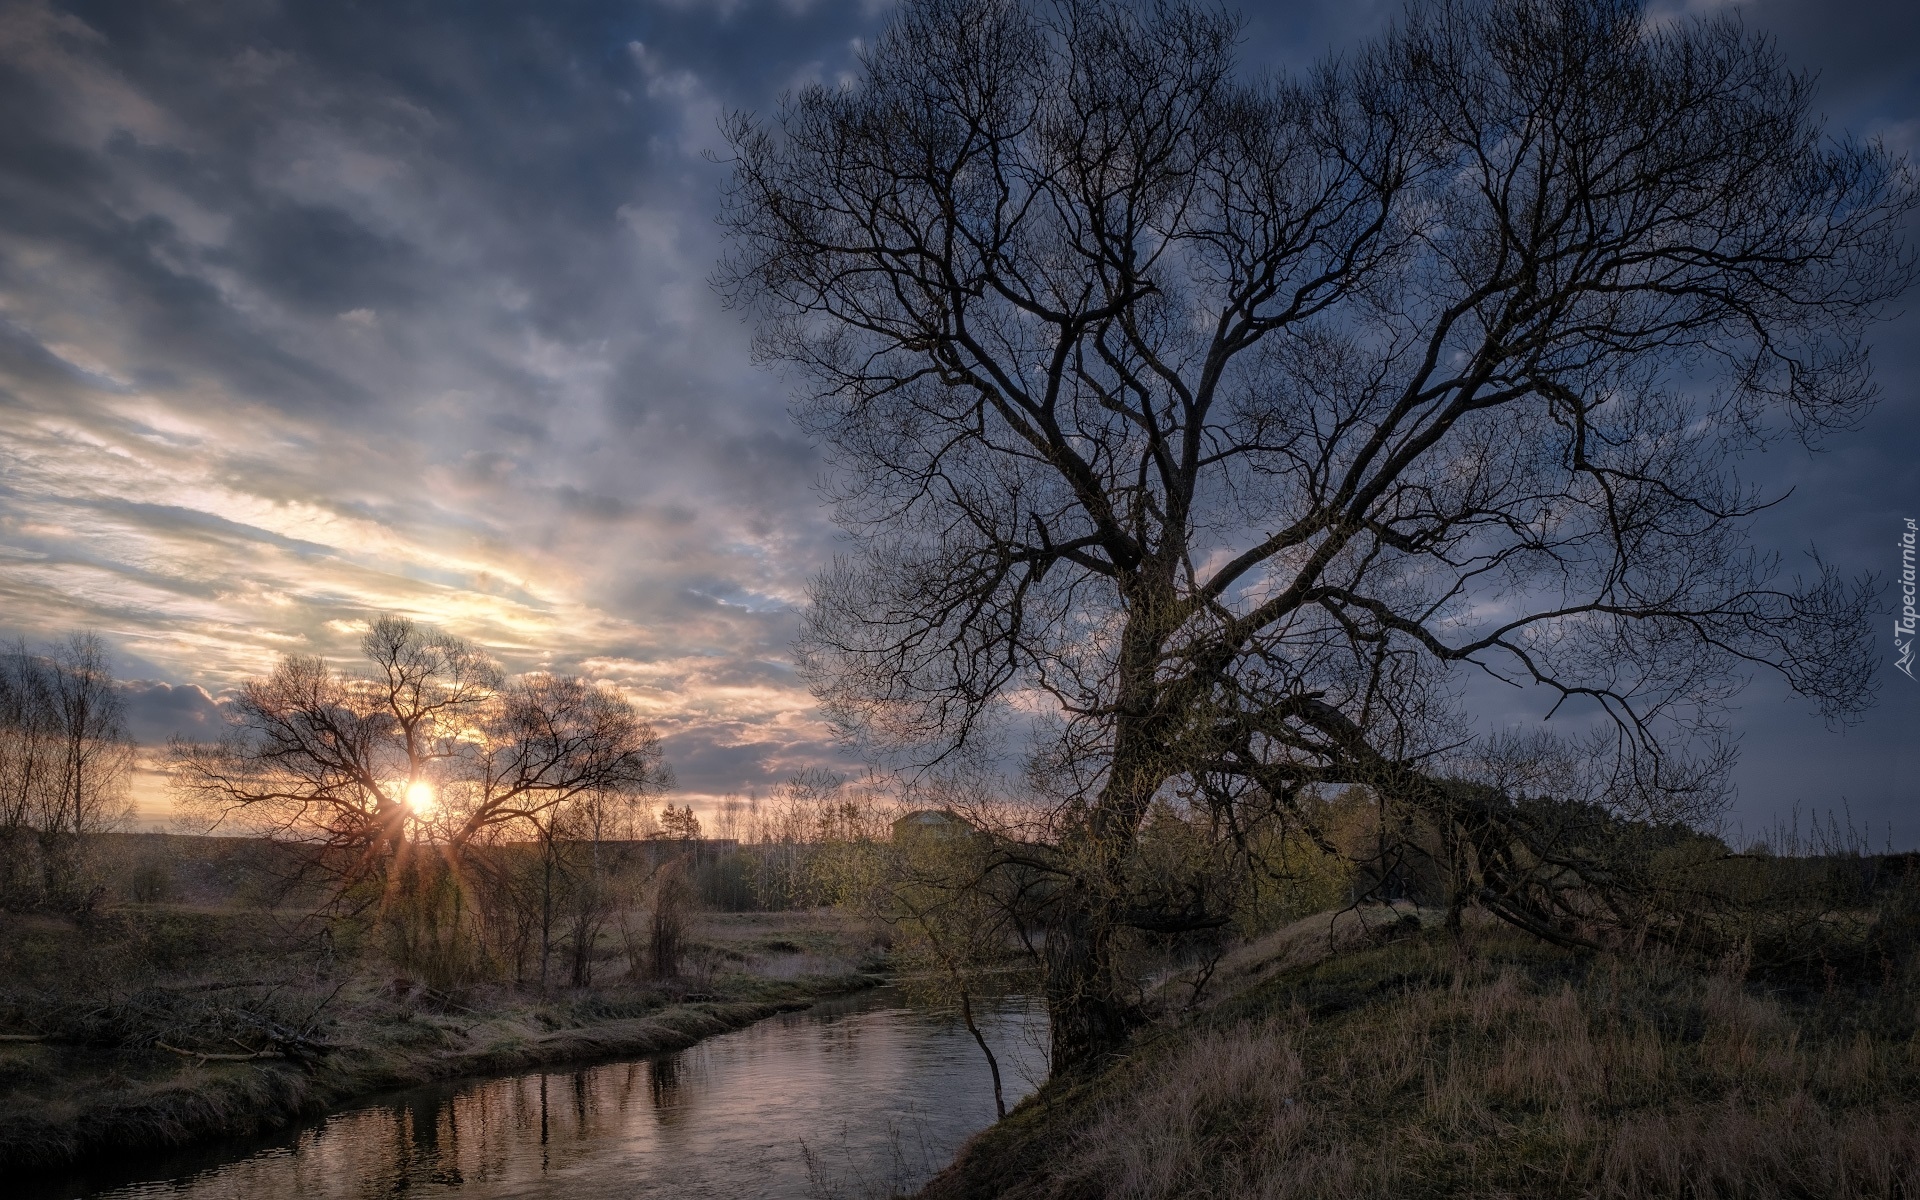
(1404, 1070)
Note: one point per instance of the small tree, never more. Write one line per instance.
(577, 890)
(680, 823)
(429, 754)
(727, 822)
(672, 902)
(65, 760)
(957, 914)
(949, 925)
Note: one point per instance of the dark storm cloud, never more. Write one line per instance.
(309, 311)
(158, 711)
(592, 504)
(716, 760)
(76, 202)
(323, 261)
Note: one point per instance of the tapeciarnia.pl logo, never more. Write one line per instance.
(1903, 625)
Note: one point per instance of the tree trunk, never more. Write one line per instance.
(1089, 1015)
(993, 1064)
(1089, 1018)
(546, 912)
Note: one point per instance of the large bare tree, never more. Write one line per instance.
(1214, 425)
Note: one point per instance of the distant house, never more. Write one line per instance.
(931, 822)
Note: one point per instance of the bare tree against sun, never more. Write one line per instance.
(431, 745)
(1223, 420)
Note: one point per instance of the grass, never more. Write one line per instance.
(1406, 1070)
(108, 997)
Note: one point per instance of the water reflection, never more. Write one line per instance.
(860, 1098)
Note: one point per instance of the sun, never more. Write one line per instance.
(420, 797)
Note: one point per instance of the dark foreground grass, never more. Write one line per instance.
(1405, 1071)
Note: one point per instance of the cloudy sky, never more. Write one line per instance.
(310, 311)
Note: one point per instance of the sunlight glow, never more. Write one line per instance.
(420, 797)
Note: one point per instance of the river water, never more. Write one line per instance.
(852, 1098)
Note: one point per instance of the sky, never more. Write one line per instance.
(315, 311)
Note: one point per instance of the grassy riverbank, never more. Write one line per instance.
(1524, 1071)
(148, 1021)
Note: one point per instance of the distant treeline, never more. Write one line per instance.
(187, 868)
(536, 912)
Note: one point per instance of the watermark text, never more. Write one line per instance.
(1903, 624)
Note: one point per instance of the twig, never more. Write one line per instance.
(306, 1026)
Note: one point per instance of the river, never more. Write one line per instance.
(852, 1098)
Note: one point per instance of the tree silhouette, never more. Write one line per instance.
(332, 759)
(680, 823)
(65, 760)
(1208, 428)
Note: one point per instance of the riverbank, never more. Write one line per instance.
(175, 1062)
(859, 1097)
(1405, 1070)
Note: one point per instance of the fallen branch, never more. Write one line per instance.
(23, 1037)
(207, 1056)
(214, 985)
